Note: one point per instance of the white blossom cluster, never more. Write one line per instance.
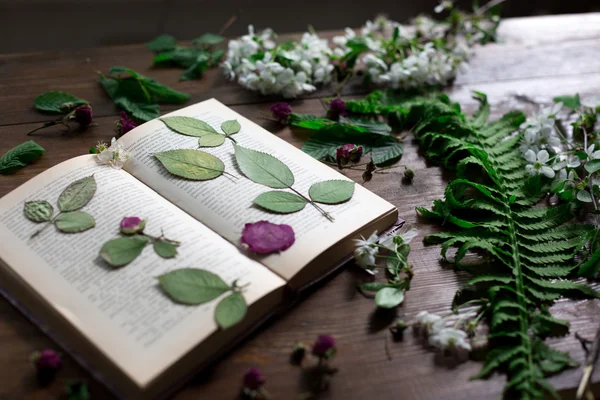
(116, 156)
(447, 340)
(258, 65)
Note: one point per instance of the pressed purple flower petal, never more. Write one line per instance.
(254, 379)
(83, 115)
(131, 225)
(281, 111)
(263, 237)
(323, 345)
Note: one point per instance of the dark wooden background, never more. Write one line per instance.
(541, 57)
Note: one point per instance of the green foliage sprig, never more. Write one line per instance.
(20, 156)
(528, 252)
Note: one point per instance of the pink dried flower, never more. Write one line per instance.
(337, 107)
(348, 152)
(83, 115)
(254, 379)
(264, 237)
(281, 112)
(324, 346)
(132, 225)
(125, 124)
(46, 359)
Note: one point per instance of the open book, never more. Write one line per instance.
(117, 320)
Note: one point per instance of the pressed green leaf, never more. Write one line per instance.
(38, 211)
(331, 192)
(231, 127)
(263, 168)
(189, 126)
(211, 140)
(280, 202)
(162, 43)
(20, 156)
(231, 310)
(122, 251)
(208, 39)
(389, 297)
(572, 102)
(77, 194)
(191, 164)
(74, 221)
(141, 111)
(57, 102)
(165, 249)
(192, 285)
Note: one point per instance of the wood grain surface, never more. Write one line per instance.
(540, 57)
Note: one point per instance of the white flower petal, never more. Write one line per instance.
(543, 156)
(529, 156)
(549, 172)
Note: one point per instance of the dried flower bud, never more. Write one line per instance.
(409, 174)
(125, 124)
(398, 328)
(132, 225)
(348, 152)
(281, 112)
(324, 346)
(83, 115)
(47, 363)
(298, 353)
(337, 108)
(253, 379)
(367, 176)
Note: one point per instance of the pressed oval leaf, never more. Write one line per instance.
(122, 251)
(76, 221)
(77, 194)
(389, 297)
(231, 127)
(165, 249)
(38, 211)
(263, 168)
(188, 126)
(192, 285)
(213, 140)
(57, 102)
(230, 310)
(331, 192)
(191, 164)
(280, 202)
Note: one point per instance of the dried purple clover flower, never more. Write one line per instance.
(83, 115)
(125, 124)
(348, 152)
(47, 362)
(132, 225)
(324, 347)
(264, 237)
(281, 112)
(337, 108)
(254, 379)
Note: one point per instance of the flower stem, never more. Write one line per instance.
(323, 212)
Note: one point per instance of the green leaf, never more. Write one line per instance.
(367, 124)
(389, 297)
(331, 192)
(189, 126)
(263, 168)
(385, 150)
(584, 196)
(592, 166)
(191, 164)
(373, 286)
(572, 102)
(164, 94)
(162, 43)
(280, 202)
(231, 127)
(209, 39)
(20, 156)
(211, 140)
(194, 71)
(165, 249)
(192, 285)
(122, 251)
(57, 102)
(77, 390)
(141, 111)
(77, 194)
(231, 310)
(38, 211)
(75, 221)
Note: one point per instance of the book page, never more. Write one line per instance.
(121, 310)
(225, 204)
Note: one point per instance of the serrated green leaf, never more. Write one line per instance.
(165, 249)
(192, 285)
(211, 140)
(331, 192)
(280, 202)
(162, 43)
(74, 221)
(38, 211)
(164, 94)
(572, 102)
(231, 310)
(195, 70)
(120, 252)
(77, 194)
(389, 297)
(141, 111)
(209, 39)
(20, 156)
(57, 102)
(263, 168)
(369, 125)
(191, 164)
(231, 127)
(189, 126)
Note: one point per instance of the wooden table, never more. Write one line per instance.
(541, 57)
